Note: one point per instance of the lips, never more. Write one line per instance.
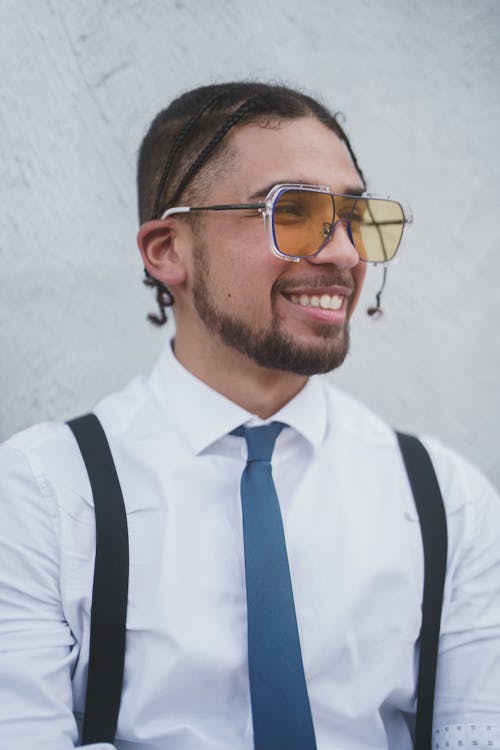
(322, 297)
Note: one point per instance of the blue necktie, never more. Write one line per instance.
(280, 704)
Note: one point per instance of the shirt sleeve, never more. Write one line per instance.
(467, 703)
(37, 648)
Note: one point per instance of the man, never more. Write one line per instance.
(266, 269)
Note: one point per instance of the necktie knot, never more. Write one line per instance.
(260, 440)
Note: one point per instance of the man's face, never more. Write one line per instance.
(245, 298)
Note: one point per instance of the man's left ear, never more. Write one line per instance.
(160, 243)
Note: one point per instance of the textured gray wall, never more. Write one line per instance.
(418, 83)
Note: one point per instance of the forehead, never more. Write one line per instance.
(302, 150)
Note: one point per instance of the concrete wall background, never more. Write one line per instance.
(419, 84)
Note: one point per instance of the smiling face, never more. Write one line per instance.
(235, 295)
(281, 314)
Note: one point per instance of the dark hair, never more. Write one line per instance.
(191, 131)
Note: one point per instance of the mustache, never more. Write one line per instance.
(333, 278)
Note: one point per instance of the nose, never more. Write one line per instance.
(339, 250)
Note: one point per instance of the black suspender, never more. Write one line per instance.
(432, 516)
(110, 589)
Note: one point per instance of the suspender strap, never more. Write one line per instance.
(110, 589)
(432, 516)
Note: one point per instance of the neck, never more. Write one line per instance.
(259, 390)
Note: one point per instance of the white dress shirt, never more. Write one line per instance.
(356, 562)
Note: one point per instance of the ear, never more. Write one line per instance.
(161, 243)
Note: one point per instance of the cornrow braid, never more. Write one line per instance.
(182, 135)
(163, 295)
(354, 160)
(164, 299)
(231, 121)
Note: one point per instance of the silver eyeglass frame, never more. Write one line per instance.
(265, 208)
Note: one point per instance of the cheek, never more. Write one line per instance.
(240, 261)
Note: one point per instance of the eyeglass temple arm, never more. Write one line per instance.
(221, 207)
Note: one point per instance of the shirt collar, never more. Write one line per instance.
(203, 415)
(307, 411)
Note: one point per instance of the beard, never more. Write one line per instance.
(272, 347)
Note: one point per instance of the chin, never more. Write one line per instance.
(285, 353)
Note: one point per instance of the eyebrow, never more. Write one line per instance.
(265, 190)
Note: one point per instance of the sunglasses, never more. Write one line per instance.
(300, 221)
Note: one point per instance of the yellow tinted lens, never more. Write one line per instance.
(302, 220)
(377, 227)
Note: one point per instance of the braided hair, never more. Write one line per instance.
(197, 123)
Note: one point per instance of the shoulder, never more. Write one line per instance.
(29, 463)
(355, 422)
(472, 503)
(30, 457)
(44, 487)
(360, 422)
(46, 457)
(462, 484)
(455, 473)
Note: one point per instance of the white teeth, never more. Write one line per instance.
(325, 301)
